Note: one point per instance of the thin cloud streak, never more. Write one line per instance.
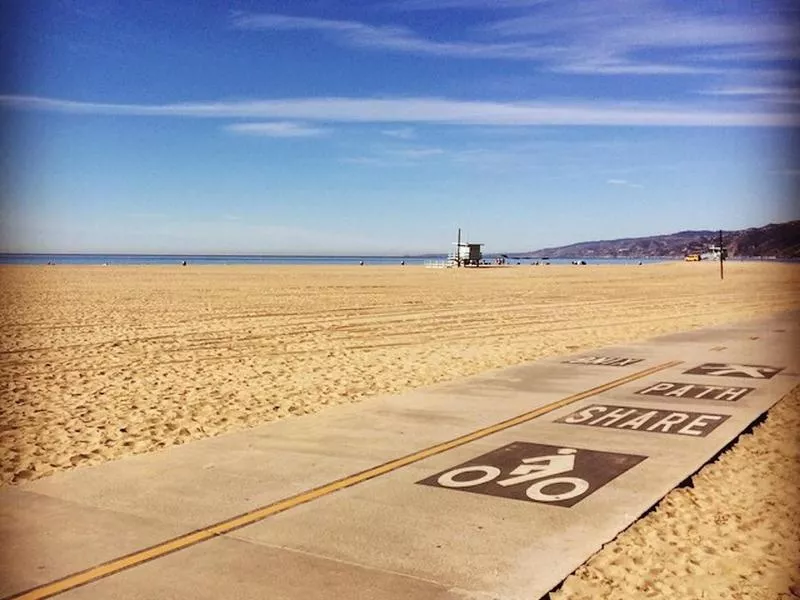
(624, 183)
(405, 133)
(390, 37)
(601, 38)
(783, 95)
(746, 91)
(477, 4)
(417, 153)
(425, 110)
(608, 37)
(279, 129)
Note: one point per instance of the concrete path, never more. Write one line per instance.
(498, 486)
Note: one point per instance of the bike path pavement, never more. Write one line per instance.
(496, 498)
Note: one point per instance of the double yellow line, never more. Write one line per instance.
(190, 539)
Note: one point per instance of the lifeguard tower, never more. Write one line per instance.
(465, 254)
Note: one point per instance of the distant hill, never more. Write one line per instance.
(781, 240)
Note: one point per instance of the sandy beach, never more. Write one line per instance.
(103, 362)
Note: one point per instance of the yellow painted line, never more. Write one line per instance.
(190, 539)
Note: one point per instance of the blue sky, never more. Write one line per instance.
(379, 127)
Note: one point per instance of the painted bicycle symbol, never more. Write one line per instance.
(541, 468)
(556, 475)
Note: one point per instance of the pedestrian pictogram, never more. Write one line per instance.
(561, 476)
(735, 370)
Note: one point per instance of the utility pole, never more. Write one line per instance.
(458, 249)
(721, 257)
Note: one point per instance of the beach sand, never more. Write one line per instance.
(102, 362)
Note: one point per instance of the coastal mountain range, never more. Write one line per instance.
(778, 240)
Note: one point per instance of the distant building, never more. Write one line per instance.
(714, 253)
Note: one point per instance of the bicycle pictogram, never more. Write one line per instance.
(542, 468)
(554, 475)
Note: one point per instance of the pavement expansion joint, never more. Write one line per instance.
(326, 557)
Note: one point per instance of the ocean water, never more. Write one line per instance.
(272, 259)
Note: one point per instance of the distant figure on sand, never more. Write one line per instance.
(361, 262)
(402, 263)
(183, 263)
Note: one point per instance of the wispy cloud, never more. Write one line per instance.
(772, 93)
(625, 36)
(476, 4)
(427, 110)
(280, 129)
(404, 133)
(614, 37)
(382, 161)
(624, 183)
(417, 153)
(744, 91)
(395, 157)
(389, 37)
